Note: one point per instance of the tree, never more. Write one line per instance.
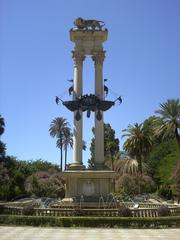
(67, 141)
(2, 149)
(176, 180)
(170, 115)
(13, 174)
(2, 145)
(57, 129)
(138, 144)
(84, 145)
(2, 125)
(111, 146)
(126, 166)
(162, 159)
(38, 165)
(134, 184)
(46, 184)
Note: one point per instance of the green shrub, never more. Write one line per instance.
(165, 191)
(78, 211)
(163, 211)
(90, 221)
(1, 209)
(28, 210)
(134, 184)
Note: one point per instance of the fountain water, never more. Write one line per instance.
(113, 203)
(81, 202)
(101, 202)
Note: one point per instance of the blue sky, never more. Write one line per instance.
(142, 64)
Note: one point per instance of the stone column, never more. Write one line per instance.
(98, 58)
(78, 58)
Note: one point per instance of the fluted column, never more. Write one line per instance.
(78, 58)
(98, 58)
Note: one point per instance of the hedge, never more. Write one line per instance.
(90, 221)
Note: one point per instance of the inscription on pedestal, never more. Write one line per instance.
(88, 188)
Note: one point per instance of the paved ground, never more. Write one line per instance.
(34, 233)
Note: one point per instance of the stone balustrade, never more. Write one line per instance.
(140, 212)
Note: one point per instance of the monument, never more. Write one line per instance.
(88, 37)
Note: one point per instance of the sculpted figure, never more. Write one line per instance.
(89, 103)
(81, 23)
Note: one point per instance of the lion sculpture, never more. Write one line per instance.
(81, 23)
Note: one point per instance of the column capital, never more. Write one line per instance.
(78, 57)
(98, 57)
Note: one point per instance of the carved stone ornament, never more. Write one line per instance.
(98, 57)
(78, 57)
(88, 188)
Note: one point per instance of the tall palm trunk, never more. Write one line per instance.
(177, 138)
(112, 162)
(61, 147)
(65, 162)
(140, 164)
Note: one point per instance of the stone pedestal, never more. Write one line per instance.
(89, 184)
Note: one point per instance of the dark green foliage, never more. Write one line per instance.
(163, 211)
(1, 208)
(28, 210)
(166, 166)
(2, 149)
(40, 165)
(176, 180)
(111, 145)
(13, 174)
(124, 212)
(2, 145)
(158, 152)
(165, 192)
(104, 222)
(2, 125)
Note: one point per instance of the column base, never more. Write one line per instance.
(100, 166)
(76, 166)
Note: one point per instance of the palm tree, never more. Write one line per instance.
(84, 145)
(2, 149)
(57, 129)
(2, 125)
(170, 115)
(67, 141)
(138, 144)
(2, 145)
(126, 166)
(112, 150)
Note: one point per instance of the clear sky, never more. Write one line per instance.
(142, 64)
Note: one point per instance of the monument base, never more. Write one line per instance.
(76, 166)
(90, 185)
